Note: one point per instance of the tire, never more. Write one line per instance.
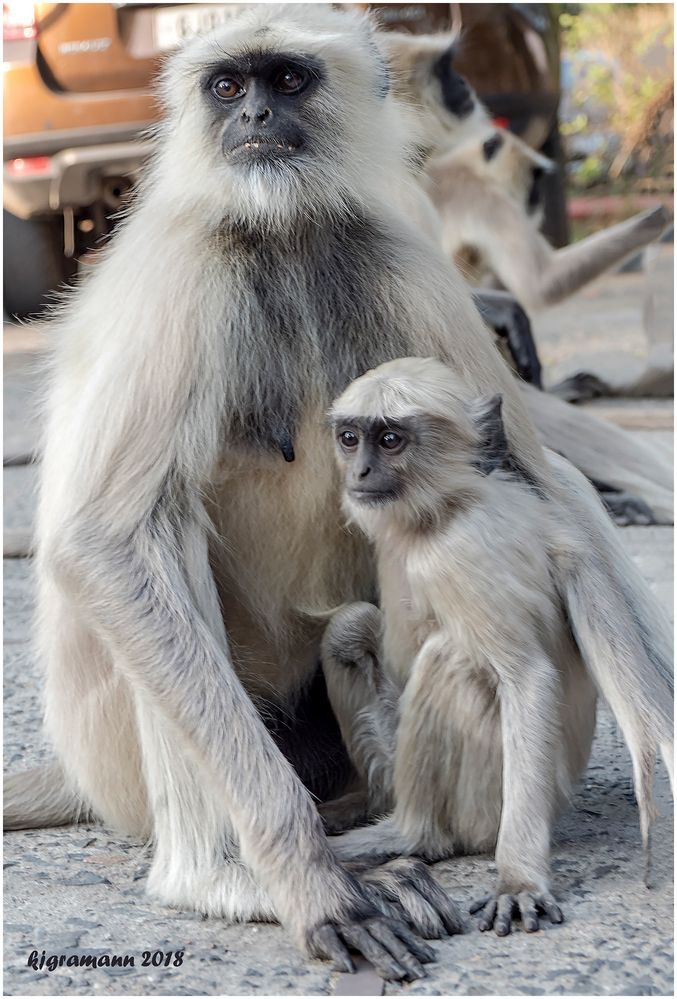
(34, 264)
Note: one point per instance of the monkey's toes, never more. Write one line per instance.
(500, 910)
(408, 885)
(386, 942)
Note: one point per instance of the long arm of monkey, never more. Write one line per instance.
(622, 634)
(527, 693)
(141, 593)
(536, 274)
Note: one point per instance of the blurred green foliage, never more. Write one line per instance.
(622, 56)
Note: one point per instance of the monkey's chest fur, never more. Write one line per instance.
(308, 316)
(311, 311)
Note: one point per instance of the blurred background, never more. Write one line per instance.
(591, 85)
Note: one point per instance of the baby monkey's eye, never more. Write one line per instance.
(348, 439)
(290, 81)
(227, 89)
(391, 441)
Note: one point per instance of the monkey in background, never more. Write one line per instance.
(468, 700)
(486, 185)
(634, 479)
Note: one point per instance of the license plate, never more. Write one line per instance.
(174, 24)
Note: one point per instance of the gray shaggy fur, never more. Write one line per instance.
(501, 606)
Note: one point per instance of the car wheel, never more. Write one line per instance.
(34, 263)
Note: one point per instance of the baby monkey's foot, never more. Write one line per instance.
(500, 910)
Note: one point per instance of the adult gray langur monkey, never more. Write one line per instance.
(469, 697)
(189, 504)
(486, 184)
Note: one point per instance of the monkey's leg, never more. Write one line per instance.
(529, 733)
(447, 775)
(365, 705)
(90, 720)
(153, 600)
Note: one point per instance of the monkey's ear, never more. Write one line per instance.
(486, 413)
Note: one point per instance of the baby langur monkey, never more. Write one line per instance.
(491, 648)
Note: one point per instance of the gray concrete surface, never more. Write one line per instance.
(619, 328)
(80, 890)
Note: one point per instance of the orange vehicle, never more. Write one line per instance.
(77, 87)
(77, 81)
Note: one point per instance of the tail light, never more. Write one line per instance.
(28, 166)
(18, 21)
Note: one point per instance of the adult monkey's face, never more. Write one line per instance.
(260, 104)
(282, 112)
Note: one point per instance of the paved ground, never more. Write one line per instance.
(79, 890)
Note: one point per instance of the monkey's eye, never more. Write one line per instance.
(348, 439)
(227, 89)
(290, 81)
(390, 441)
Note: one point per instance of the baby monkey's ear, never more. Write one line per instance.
(492, 450)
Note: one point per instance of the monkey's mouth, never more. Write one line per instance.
(266, 148)
(373, 497)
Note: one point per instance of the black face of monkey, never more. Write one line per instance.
(456, 93)
(371, 453)
(258, 101)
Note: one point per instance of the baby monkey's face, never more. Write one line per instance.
(374, 456)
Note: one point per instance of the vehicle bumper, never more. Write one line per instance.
(71, 178)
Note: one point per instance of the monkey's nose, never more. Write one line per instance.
(365, 472)
(262, 116)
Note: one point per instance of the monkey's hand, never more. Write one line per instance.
(406, 887)
(500, 910)
(504, 314)
(385, 940)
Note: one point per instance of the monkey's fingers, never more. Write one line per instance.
(362, 938)
(402, 944)
(426, 906)
(528, 912)
(421, 950)
(549, 906)
(420, 877)
(324, 942)
(479, 904)
(503, 921)
(397, 899)
(488, 916)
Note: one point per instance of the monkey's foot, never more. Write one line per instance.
(501, 910)
(347, 812)
(406, 887)
(385, 941)
(626, 509)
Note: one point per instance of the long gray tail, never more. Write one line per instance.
(604, 452)
(41, 797)
(621, 631)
